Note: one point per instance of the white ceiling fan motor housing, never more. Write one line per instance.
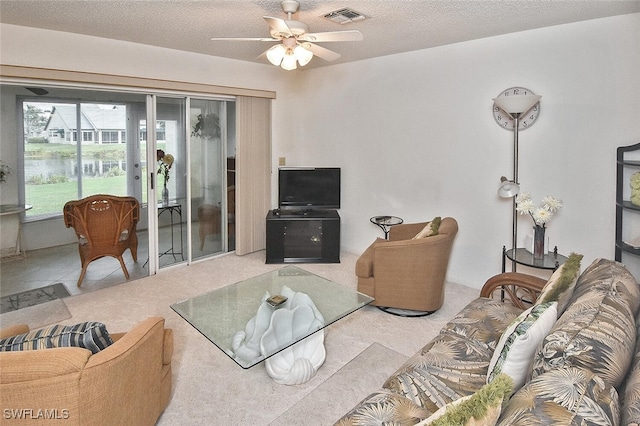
(297, 28)
(290, 6)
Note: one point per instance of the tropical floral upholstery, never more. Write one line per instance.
(576, 376)
(454, 364)
(566, 396)
(597, 331)
(631, 401)
(384, 408)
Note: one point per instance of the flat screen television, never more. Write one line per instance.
(309, 188)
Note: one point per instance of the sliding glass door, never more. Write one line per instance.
(75, 144)
(170, 179)
(212, 182)
(80, 142)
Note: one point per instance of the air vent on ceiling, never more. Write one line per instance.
(344, 16)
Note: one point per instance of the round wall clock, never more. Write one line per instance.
(526, 120)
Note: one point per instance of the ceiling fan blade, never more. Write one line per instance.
(352, 35)
(321, 52)
(243, 39)
(278, 25)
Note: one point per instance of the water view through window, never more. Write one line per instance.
(58, 168)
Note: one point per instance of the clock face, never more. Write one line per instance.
(526, 120)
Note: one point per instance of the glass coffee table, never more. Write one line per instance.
(241, 312)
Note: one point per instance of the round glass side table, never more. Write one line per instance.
(551, 260)
(386, 222)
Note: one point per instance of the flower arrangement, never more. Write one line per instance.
(4, 171)
(165, 161)
(541, 214)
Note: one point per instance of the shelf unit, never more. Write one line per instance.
(627, 213)
(303, 236)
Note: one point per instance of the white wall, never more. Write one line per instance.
(414, 132)
(416, 138)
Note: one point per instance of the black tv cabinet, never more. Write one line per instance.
(305, 236)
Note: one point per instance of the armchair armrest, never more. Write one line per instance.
(521, 290)
(14, 330)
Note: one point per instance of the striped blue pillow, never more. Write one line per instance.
(88, 335)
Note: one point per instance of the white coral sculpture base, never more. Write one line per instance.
(298, 363)
(271, 330)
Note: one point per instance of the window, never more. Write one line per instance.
(57, 168)
(109, 136)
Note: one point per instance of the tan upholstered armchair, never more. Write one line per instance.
(128, 383)
(105, 226)
(407, 273)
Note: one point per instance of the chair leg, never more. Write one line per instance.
(84, 271)
(134, 251)
(124, 268)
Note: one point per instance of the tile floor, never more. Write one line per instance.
(62, 264)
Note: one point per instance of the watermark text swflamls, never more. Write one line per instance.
(35, 414)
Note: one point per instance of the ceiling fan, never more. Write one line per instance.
(296, 44)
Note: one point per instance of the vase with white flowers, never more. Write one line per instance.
(165, 161)
(541, 215)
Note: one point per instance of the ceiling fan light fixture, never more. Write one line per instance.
(289, 61)
(303, 55)
(276, 54)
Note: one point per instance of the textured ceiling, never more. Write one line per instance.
(393, 26)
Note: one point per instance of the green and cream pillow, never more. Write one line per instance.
(430, 229)
(482, 408)
(519, 342)
(560, 286)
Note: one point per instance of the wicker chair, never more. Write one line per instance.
(407, 274)
(105, 226)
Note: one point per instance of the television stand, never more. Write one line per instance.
(305, 236)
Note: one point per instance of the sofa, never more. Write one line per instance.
(572, 357)
(408, 270)
(126, 383)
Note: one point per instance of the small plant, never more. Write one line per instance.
(207, 126)
(37, 180)
(41, 180)
(114, 171)
(57, 179)
(38, 140)
(4, 171)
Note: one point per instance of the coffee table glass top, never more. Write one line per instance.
(220, 314)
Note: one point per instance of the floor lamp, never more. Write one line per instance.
(515, 108)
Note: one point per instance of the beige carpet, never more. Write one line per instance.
(361, 376)
(209, 388)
